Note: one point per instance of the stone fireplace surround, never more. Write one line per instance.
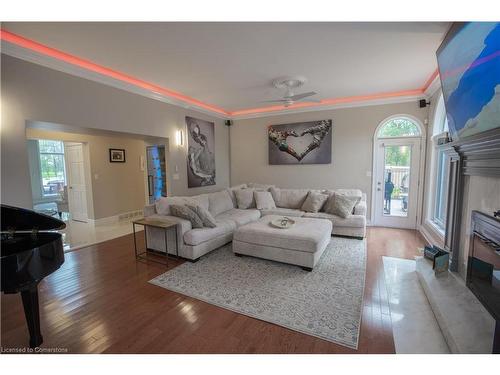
(481, 193)
(474, 184)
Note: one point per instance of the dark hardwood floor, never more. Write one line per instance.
(100, 301)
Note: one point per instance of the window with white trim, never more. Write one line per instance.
(441, 167)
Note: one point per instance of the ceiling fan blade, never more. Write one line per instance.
(301, 96)
(309, 101)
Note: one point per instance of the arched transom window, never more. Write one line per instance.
(399, 127)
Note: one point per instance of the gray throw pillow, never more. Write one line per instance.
(245, 198)
(314, 202)
(205, 216)
(185, 212)
(341, 205)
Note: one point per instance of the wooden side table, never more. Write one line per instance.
(166, 226)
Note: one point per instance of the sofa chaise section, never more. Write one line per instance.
(196, 242)
(289, 203)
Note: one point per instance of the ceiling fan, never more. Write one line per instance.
(289, 84)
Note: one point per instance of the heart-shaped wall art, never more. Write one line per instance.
(299, 144)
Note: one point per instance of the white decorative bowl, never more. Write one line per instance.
(283, 223)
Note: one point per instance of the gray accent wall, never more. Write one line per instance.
(31, 92)
(352, 148)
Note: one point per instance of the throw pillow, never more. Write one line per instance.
(164, 203)
(245, 198)
(185, 212)
(314, 202)
(205, 216)
(231, 193)
(264, 200)
(200, 200)
(328, 207)
(341, 205)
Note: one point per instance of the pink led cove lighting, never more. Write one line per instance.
(88, 65)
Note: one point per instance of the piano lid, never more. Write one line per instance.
(21, 219)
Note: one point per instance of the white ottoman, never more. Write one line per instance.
(301, 244)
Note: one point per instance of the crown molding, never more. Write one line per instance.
(354, 104)
(62, 66)
(31, 51)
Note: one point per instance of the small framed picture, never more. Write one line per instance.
(116, 155)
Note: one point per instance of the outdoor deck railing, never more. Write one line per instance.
(397, 175)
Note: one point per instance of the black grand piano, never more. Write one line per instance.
(29, 252)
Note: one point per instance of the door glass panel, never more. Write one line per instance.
(51, 167)
(396, 180)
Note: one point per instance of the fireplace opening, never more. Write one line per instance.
(483, 269)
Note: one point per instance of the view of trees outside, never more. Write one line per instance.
(397, 156)
(51, 165)
(400, 127)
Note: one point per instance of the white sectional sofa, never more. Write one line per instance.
(194, 243)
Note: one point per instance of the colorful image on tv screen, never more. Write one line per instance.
(469, 66)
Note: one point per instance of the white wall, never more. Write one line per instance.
(352, 148)
(32, 92)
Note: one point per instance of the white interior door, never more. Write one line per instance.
(77, 194)
(396, 182)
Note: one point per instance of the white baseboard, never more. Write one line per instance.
(117, 218)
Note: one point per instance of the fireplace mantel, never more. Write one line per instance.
(478, 155)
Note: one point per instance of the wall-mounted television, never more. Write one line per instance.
(469, 68)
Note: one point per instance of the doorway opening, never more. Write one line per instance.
(106, 196)
(58, 182)
(396, 175)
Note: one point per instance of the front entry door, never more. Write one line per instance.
(396, 178)
(77, 194)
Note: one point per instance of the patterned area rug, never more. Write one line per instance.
(325, 303)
